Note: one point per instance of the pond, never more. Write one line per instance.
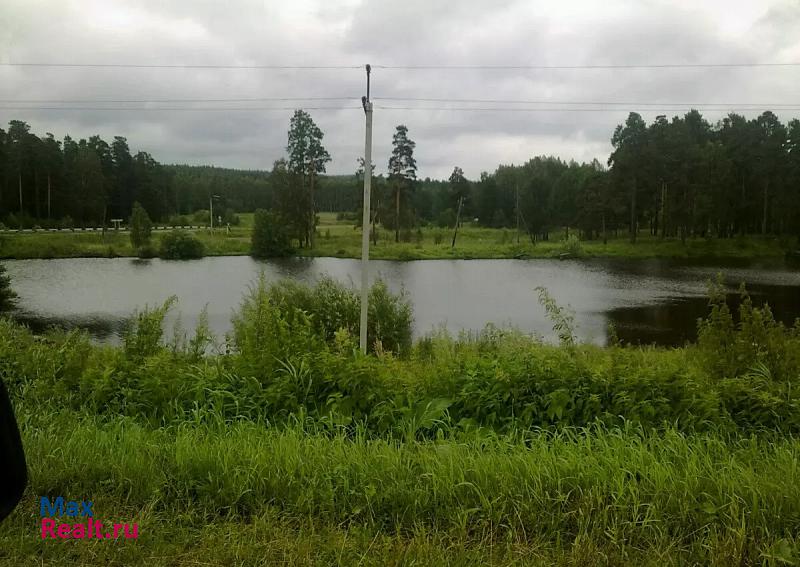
(648, 301)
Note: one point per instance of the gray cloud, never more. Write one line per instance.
(415, 32)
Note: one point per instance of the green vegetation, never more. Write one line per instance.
(344, 241)
(680, 179)
(7, 295)
(270, 237)
(180, 245)
(141, 227)
(488, 448)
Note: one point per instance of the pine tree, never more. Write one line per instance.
(402, 174)
(307, 159)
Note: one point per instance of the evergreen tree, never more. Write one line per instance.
(307, 159)
(402, 175)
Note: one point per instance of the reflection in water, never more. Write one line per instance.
(646, 300)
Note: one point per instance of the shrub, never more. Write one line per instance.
(7, 295)
(147, 251)
(332, 306)
(141, 226)
(438, 236)
(270, 238)
(179, 220)
(180, 245)
(446, 219)
(230, 217)
(733, 349)
(201, 216)
(572, 245)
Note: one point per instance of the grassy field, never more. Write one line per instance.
(341, 239)
(292, 448)
(246, 494)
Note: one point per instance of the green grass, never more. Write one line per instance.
(291, 447)
(341, 239)
(246, 493)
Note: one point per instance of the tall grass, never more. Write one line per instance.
(293, 353)
(492, 447)
(620, 488)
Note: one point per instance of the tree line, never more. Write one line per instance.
(678, 177)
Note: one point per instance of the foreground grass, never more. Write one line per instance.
(341, 239)
(245, 493)
(289, 446)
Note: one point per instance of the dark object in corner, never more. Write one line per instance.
(13, 472)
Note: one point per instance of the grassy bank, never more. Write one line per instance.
(341, 239)
(286, 445)
(243, 493)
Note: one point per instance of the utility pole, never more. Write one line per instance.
(365, 224)
(458, 219)
(211, 211)
(516, 208)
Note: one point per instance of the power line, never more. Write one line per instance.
(186, 66)
(179, 108)
(580, 67)
(174, 100)
(407, 67)
(586, 103)
(757, 105)
(412, 108)
(511, 109)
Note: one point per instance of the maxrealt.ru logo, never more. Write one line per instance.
(90, 529)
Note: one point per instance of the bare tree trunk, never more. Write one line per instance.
(663, 209)
(605, 234)
(374, 219)
(458, 218)
(313, 211)
(36, 194)
(633, 213)
(397, 214)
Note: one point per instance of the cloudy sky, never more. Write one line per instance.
(252, 134)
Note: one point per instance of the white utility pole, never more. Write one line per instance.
(365, 220)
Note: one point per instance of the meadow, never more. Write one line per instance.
(283, 444)
(339, 238)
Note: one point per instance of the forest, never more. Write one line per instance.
(679, 177)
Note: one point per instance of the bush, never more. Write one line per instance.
(141, 226)
(7, 295)
(270, 237)
(179, 220)
(180, 245)
(147, 251)
(333, 306)
(201, 217)
(572, 246)
(446, 219)
(230, 217)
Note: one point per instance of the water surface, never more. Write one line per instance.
(648, 301)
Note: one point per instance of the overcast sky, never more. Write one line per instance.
(412, 32)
